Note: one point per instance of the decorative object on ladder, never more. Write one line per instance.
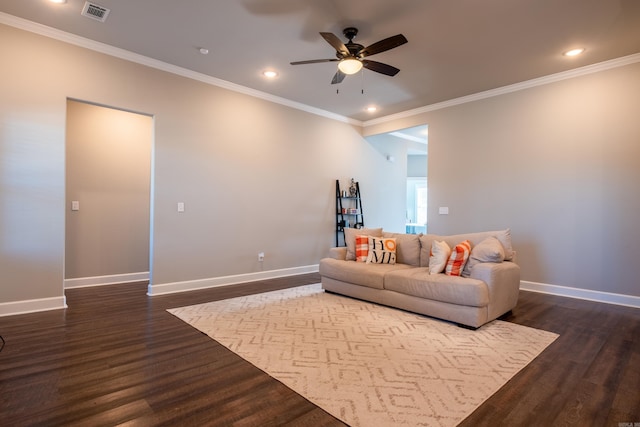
(348, 210)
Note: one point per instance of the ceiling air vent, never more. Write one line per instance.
(95, 11)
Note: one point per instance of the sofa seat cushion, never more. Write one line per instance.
(358, 273)
(439, 287)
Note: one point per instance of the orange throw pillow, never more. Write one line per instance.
(362, 248)
(458, 258)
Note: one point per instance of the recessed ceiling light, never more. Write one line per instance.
(372, 108)
(574, 52)
(270, 74)
(204, 50)
(58, 1)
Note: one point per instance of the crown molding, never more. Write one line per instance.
(552, 78)
(106, 49)
(53, 33)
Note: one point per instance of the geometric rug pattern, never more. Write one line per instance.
(367, 364)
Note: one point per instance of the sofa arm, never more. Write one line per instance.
(339, 253)
(503, 281)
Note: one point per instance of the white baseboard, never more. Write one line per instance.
(32, 305)
(586, 294)
(191, 285)
(113, 279)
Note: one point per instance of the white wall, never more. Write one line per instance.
(254, 175)
(392, 182)
(417, 165)
(559, 164)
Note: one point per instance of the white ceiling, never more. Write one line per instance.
(455, 48)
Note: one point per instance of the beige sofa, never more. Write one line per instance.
(490, 290)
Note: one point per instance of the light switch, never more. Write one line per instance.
(75, 205)
(443, 210)
(180, 206)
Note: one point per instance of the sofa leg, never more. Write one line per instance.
(471, 328)
(507, 314)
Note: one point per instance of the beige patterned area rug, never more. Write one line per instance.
(366, 364)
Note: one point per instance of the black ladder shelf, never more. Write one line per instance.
(348, 210)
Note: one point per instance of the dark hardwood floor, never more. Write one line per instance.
(116, 357)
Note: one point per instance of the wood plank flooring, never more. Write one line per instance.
(116, 357)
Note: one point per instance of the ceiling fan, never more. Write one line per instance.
(350, 56)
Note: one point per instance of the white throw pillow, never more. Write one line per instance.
(440, 253)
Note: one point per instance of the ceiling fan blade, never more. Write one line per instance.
(337, 44)
(338, 77)
(383, 45)
(379, 67)
(314, 61)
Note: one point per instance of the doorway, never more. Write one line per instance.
(416, 141)
(108, 209)
(416, 205)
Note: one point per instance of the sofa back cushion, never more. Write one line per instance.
(504, 236)
(407, 248)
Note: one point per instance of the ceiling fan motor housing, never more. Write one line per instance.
(350, 33)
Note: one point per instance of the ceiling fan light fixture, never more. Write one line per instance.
(350, 65)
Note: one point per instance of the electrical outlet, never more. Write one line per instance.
(260, 256)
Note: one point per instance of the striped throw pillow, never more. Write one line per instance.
(458, 258)
(362, 248)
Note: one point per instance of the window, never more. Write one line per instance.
(416, 205)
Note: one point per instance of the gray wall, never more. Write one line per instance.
(254, 175)
(108, 170)
(559, 164)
